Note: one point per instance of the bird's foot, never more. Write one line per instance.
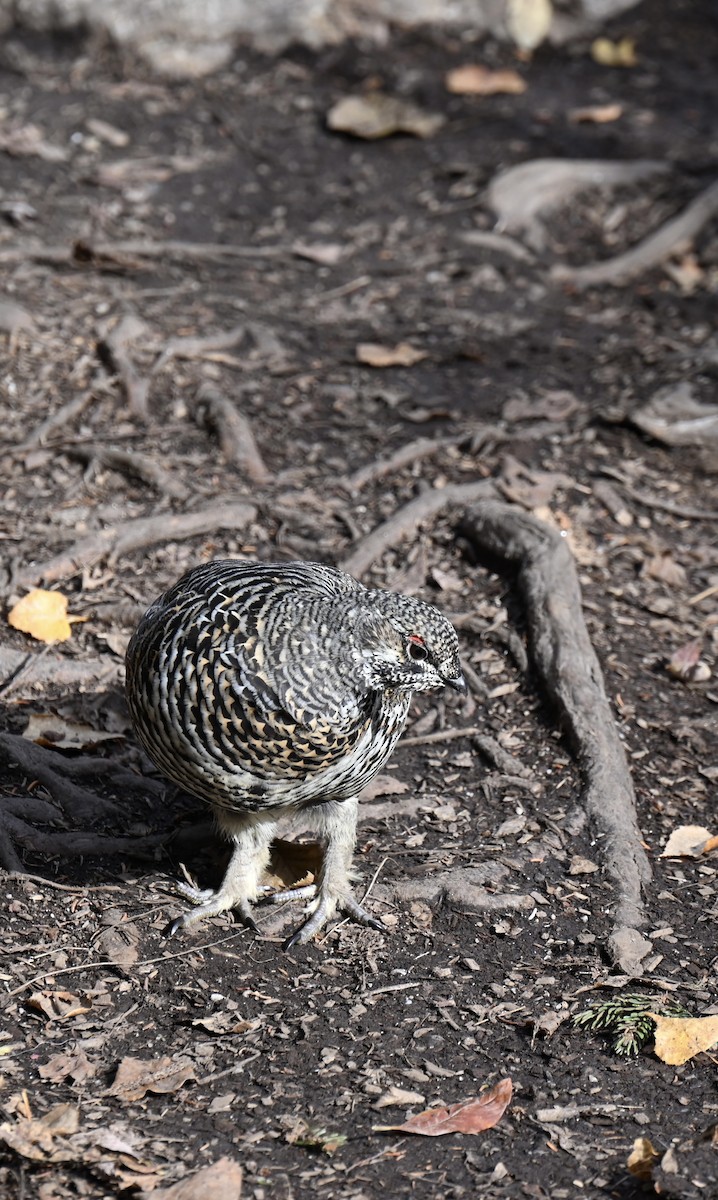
(210, 904)
(327, 907)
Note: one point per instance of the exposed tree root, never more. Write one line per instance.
(406, 520)
(132, 463)
(651, 252)
(568, 666)
(128, 536)
(234, 432)
(46, 767)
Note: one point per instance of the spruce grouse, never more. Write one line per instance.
(267, 689)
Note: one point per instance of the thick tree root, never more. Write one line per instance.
(569, 668)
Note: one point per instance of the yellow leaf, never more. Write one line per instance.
(681, 1038)
(528, 22)
(475, 80)
(642, 1159)
(614, 54)
(43, 615)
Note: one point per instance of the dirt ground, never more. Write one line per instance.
(249, 250)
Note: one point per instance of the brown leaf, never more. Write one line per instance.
(384, 785)
(221, 1181)
(401, 355)
(663, 567)
(35, 1138)
(687, 841)
(292, 864)
(72, 1064)
(679, 1039)
(475, 80)
(684, 660)
(137, 1076)
(470, 1116)
(43, 615)
(119, 943)
(378, 115)
(58, 1006)
(642, 1159)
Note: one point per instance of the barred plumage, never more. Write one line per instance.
(270, 688)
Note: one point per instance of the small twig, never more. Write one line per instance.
(500, 758)
(57, 420)
(128, 536)
(441, 735)
(236, 438)
(650, 500)
(198, 347)
(405, 456)
(406, 520)
(86, 253)
(649, 253)
(571, 672)
(133, 463)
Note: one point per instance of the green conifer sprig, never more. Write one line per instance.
(625, 1016)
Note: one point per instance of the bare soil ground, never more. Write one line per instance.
(167, 248)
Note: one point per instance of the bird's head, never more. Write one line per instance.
(408, 644)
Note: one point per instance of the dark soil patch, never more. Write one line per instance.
(350, 242)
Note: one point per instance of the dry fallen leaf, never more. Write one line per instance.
(469, 1116)
(221, 1181)
(401, 355)
(582, 866)
(137, 1076)
(663, 567)
(597, 114)
(43, 615)
(475, 80)
(314, 1137)
(688, 841)
(292, 864)
(614, 54)
(642, 1159)
(70, 1064)
(396, 1095)
(384, 785)
(378, 115)
(685, 663)
(41, 1139)
(58, 1006)
(528, 22)
(677, 1039)
(58, 733)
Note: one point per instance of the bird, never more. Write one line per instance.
(273, 689)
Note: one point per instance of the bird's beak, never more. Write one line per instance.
(457, 683)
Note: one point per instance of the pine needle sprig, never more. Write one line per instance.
(626, 1018)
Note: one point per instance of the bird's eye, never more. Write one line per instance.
(417, 649)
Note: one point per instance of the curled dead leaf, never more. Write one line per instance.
(597, 114)
(402, 355)
(292, 864)
(678, 1039)
(378, 115)
(475, 80)
(469, 1116)
(221, 1181)
(642, 1159)
(43, 615)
